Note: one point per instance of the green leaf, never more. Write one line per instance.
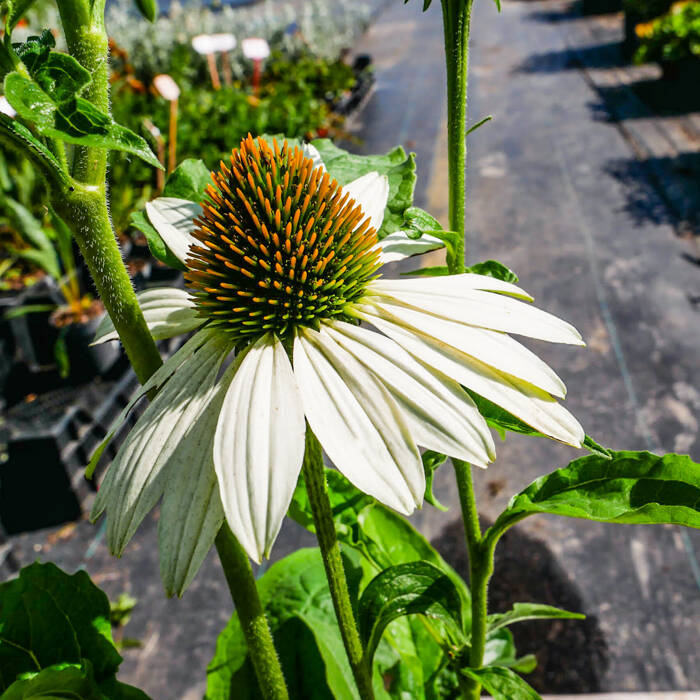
(148, 9)
(383, 537)
(112, 689)
(431, 461)
(188, 181)
(499, 419)
(36, 49)
(48, 617)
(493, 268)
(22, 140)
(502, 683)
(19, 311)
(298, 605)
(481, 122)
(408, 589)
(500, 651)
(420, 222)
(631, 487)
(60, 354)
(71, 119)
(436, 271)
(69, 681)
(396, 165)
(159, 250)
(529, 611)
(15, 13)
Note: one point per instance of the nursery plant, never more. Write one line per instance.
(672, 37)
(282, 248)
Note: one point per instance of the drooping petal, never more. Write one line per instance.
(398, 246)
(173, 219)
(451, 284)
(479, 308)
(532, 405)
(371, 192)
(440, 414)
(493, 348)
(310, 151)
(157, 379)
(191, 513)
(168, 312)
(259, 445)
(358, 423)
(135, 479)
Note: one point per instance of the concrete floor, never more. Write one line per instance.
(541, 200)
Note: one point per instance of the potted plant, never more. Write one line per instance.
(53, 322)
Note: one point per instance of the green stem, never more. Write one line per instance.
(87, 41)
(241, 583)
(456, 17)
(317, 489)
(480, 569)
(84, 209)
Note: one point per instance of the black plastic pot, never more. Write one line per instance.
(601, 7)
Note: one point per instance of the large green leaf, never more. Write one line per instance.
(530, 611)
(396, 165)
(48, 617)
(47, 93)
(408, 589)
(299, 608)
(382, 536)
(499, 419)
(631, 487)
(69, 681)
(502, 683)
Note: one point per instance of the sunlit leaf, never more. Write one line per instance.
(529, 611)
(408, 589)
(502, 683)
(630, 487)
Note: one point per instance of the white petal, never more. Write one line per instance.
(135, 479)
(451, 284)
(478, 308)
(532, 405)
(311, 151)
(358, 423)
(168, 312)
(173, 219)
(440, 414)
(259, 445)
(157, 379)
(494, 348)
(371, 192)
(191, 513)
(398, 246)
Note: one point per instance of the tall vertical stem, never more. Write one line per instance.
(256, 631)
(317, 490)
(456, 17)
(83, 202)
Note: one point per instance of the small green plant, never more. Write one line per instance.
(672, 37)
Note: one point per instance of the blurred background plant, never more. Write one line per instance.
(672, 37)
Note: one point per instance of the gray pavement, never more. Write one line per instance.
(543, 200)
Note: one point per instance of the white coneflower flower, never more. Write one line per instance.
(282, 264)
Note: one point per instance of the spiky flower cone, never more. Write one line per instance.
(281, 244)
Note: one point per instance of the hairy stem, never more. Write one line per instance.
(85, 211)
(317, 489)
(241, 583)
(456, 16)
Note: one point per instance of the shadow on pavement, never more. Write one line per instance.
(571, 654)
(598, 56)
(678, 176)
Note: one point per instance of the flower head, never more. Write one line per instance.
(279, 245)
(281, 269)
